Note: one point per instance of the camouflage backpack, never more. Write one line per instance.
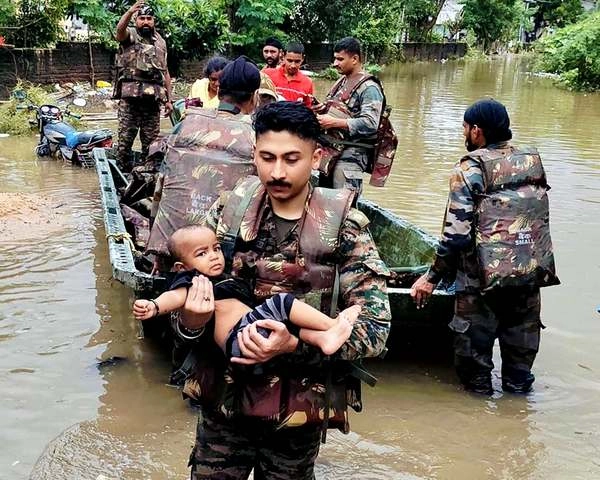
(512, 220)
(381, 152)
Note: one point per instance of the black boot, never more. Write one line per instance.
(515, 381)
(474, 379)
(481, 384)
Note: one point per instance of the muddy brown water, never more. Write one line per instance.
(61, 416)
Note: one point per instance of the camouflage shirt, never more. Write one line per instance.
(366, 107)
(362, 282)
(456, 257)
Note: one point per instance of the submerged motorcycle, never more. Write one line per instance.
(60, 139)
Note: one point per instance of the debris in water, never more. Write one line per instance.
(109, 362)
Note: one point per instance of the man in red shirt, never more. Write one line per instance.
(292, 84)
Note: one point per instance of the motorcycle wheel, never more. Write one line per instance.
(42, 150)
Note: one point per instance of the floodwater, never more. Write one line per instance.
(63, 415)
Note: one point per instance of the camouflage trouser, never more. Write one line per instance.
(348, 174)
(229, 449)
(136, 114)
(510, 314)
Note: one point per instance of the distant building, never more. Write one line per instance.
(589, 5)
(75, 29)
(449, 14)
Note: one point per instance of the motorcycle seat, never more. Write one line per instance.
(74, 139)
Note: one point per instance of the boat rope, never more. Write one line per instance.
(123, 237)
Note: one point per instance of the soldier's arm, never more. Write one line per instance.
(168, 86)
(457, 233)
(363, 282)
(366, 123)
(122, 31)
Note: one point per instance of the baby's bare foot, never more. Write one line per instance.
(350, 314)
(332, 339)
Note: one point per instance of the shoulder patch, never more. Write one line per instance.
(358, 217)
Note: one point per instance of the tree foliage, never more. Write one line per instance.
(573, 52)
(557, 13)
(376, 23)
(33, 23)
(192, 28)
(254, 20)
(420, 17)
(492, 20)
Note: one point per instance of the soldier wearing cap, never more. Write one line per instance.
(272, 52)
(496, 245)
(142, 82)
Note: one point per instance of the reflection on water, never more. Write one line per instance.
(60, 313)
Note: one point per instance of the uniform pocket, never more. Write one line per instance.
(378, 266)
(459, 325)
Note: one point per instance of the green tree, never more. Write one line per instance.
(254, 20)
(376, 23)
(420, 17)
(573, 52)
(192, 28)
(492, 20)
(319, 20)
(8, 15)
(33, 23)
(557, 13)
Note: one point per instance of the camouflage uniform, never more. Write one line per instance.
(229, 444)
(141, 68)
(136, 114)
(366, 107)
(209, 152)
(511, 314)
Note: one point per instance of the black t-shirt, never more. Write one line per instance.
(224, 286)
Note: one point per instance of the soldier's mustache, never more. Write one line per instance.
(278, 183)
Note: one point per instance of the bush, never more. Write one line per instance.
(573, 52)
(15, 121)
(329, 73)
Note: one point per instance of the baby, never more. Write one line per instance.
(196, 251)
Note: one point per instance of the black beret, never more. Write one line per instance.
(240, 76)
(273, 42)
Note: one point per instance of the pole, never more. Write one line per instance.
(92, 72)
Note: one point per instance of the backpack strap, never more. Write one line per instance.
(230, 236)
(336, 86)
(364, 78)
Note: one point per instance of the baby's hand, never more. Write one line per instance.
(143, 309)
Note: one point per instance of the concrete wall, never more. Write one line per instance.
(70, 62)
(320, 56)
(433, 51)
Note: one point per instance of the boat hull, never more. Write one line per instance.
(404, 247)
